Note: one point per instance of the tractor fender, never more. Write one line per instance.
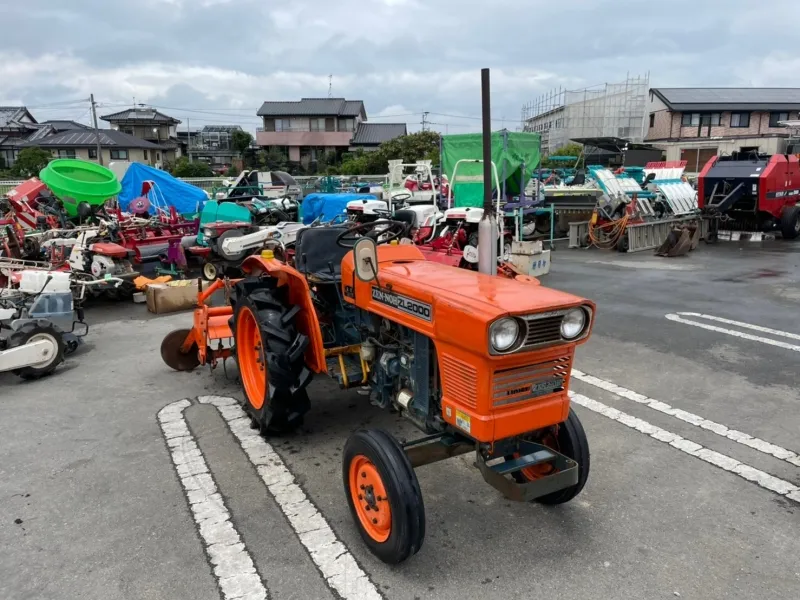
(299, 295)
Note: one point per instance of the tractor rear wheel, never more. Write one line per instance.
(269, 351)
(33, 332)
(790, 223)
(571, 442)
(383, 494)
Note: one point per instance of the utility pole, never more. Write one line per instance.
(425, 121)
(96, 131)
(189, 139)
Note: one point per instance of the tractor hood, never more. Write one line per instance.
(445, 302)
(489, 296)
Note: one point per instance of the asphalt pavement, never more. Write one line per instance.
(689, 390)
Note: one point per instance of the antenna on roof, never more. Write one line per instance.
(330, 85)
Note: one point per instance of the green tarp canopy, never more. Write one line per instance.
(510, 151)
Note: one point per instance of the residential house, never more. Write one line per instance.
(369, 136)
(212, 144)
(150, 125)
(16, 124)
(115, 146)
(695, 124)
(306, 129)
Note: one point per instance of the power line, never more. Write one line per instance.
(62, 103)
(473, 118)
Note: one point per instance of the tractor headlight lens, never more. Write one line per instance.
(208, 232)
(503, 334)
(573, 323)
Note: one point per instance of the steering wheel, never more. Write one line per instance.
(402, 197)
(392, 231)
(383, 213)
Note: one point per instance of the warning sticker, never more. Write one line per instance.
(463, 421)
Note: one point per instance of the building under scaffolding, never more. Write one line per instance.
(609, 110)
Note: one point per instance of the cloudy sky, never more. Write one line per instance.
(215, 61)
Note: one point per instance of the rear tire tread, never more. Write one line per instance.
(287, 401)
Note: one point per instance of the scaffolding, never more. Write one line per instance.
(606, 110)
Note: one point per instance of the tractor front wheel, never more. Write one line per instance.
(570, 440)
(269, 351)
(33, 332)
(383, 494)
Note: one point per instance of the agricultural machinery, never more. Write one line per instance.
(478, 363)
(37, 323)
(752, 192)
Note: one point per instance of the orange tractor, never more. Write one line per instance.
(479, 363)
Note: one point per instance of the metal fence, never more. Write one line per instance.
(207, 183)
(6, 185)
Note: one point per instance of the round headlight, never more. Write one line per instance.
(573, 323)
(503, 334)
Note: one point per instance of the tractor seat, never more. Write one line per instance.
(406, 216)
(317, 253)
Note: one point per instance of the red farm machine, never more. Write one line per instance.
(752, 193)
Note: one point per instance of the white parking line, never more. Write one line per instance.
(337, 565)
(747, 336)
(778, 332)
(231, 562)
(726, 463)
(696, 420)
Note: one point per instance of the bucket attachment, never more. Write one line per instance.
(680, 241)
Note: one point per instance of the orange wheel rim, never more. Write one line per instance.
(252, 358)
(370, 498)
(541, 470)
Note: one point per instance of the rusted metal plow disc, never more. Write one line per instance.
(171, 351)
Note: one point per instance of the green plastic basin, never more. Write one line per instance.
(74, 181)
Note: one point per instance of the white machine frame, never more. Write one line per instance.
(497, 187)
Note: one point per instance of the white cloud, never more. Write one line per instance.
(399, 56)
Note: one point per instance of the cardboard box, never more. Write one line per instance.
(174, 296)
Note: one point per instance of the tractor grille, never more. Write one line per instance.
(460, 381)
(531, 381)
(543, 328)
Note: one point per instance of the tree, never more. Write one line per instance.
(571, 149)
(241, 140)
(30, 161)
(409, 148)
(186, 168)
(272, 160)
(232, 171)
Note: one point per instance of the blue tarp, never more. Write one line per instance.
(168, 191)
(329, 206)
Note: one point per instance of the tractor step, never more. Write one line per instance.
(353, 375)
(564, 474)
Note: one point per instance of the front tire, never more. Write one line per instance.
(31, 332)
(269, 351)
(384, 495)
(570, 441)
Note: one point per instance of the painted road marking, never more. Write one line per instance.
(337, 565)
(230, 561)
(726, 463)
(732, 434)
(747, 336)
(786, 334)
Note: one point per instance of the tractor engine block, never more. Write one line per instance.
(402, 372)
